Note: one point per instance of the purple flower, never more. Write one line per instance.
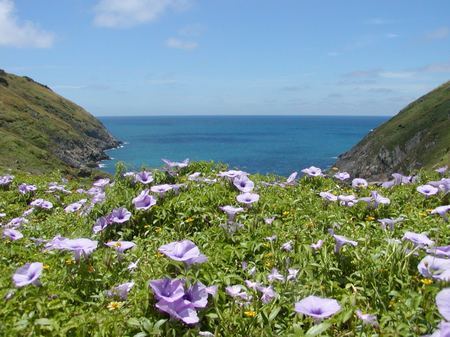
(169, 290)
(271, 238)
(427, 190)
(28, 274)
(247, 198)
(317, 307)
(236, 291)
(174, 164)
(144, 177)
(379, 199)
(197, 295)
(231, 174)
(313, 171)
(442, 211)
(6, 180)
(443, 303)
(73, 207)
(389, 222)
(328, 196)
(291, 179)
(16, 222)
(275, 276)
(367, 318)
(317, 245)
(268, 294)
(243, 184)
(359, 183)
(161, 189)
(252, 285)
(342, 176)
(182, 310)
(120, 215)
(144, 200)
(28, 211)
(287, 246)
(185, 251)
(101, 183)
(24, 188)
(347, 200)
(231, 211)
(341, 241)
(81, 246)
(269, 221)
(41, 203)
(292, 274)
(440, 251)
(205, 334)
(121, 290)
(443, 331)
(434, 267)
(419, 240)
(194, 176)
(98, 198)
(442, 170)
(120, 246)
(100, 224)
(12, 234)
(133, 265)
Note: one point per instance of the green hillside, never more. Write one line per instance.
(40, 130)
(418, 136)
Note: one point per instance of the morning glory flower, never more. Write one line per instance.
(12, 234)
(442, 211)
(247, 198)
(205, 334)
(16, 222)
(442, 170)
(120, 246)
(28, 274)
(133, 265)
(434, 267)
(24, 188)
(292, 274)
(427, 190)
(287, 246)
(94, 190)
(243, 184)
(419, 240)
(347, 200)
(76, 206)
(174, 164)
(101, 183)
(443, 303)
(440, 251)
(367, 318)
(6, 180)
(268, 294)
(313, 171)
(197, 295)
(28, 211)
(252, 285)
(317, 307)
(275, 276)
(291, 179)
(359, 183)
(268, 221)
(231, 211)
(161, 189)
(389, 222)
(169, 290)
(81, 246)
(341, 241)
(120, 215)
(121, 290)
(342, 176)
(184, 251)
(144, 177)
(443, 331)
(194, 176)
(144, 200)
(231, 174)
(271, 238)
(379, 199)
(181, 310)
(41, 203)
(317, 245)
(100, 224)
(328, 196)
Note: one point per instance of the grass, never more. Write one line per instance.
(376, 276)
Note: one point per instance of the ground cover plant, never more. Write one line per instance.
(194, 249)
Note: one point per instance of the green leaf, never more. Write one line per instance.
(134, 323)
(317, 329)
(43, 321)
(274, 313)
(140, 334)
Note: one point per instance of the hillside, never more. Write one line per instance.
(418, 136)
(41, 131)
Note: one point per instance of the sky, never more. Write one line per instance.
(230, 57)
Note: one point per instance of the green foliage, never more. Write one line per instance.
(376, 276)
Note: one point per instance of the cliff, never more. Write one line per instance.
(418, 136)
(41, 131)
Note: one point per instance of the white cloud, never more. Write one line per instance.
(377, 21)
(21, 34)
(392, 35)
(396, 74)
(176, 43)
(127, 13)
(438, 34)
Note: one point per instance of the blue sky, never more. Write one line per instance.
(275, 57)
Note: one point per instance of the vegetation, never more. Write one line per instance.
(378, 276)
(41, 131)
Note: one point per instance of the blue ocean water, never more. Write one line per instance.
(257, 144)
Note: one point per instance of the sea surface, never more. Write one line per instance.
(256, 144)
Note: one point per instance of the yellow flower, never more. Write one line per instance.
(45, 266)
(268, 255)
(90, 269)
(266, 244)
(285, 213)
(189, 220)
(69, 262)
(369, 218)
(115, 305)
(426, 281)
(117, 244)
(158, 230)
(250, 313)
(269, 264)
(158, 254)
(147, 226)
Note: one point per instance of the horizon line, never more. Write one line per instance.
(220, 115)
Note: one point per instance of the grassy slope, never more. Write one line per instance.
(35, 122)
(430, 116)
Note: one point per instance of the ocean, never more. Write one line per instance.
(256, 144)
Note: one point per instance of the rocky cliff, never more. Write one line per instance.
(41, 131)
(418, 136)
